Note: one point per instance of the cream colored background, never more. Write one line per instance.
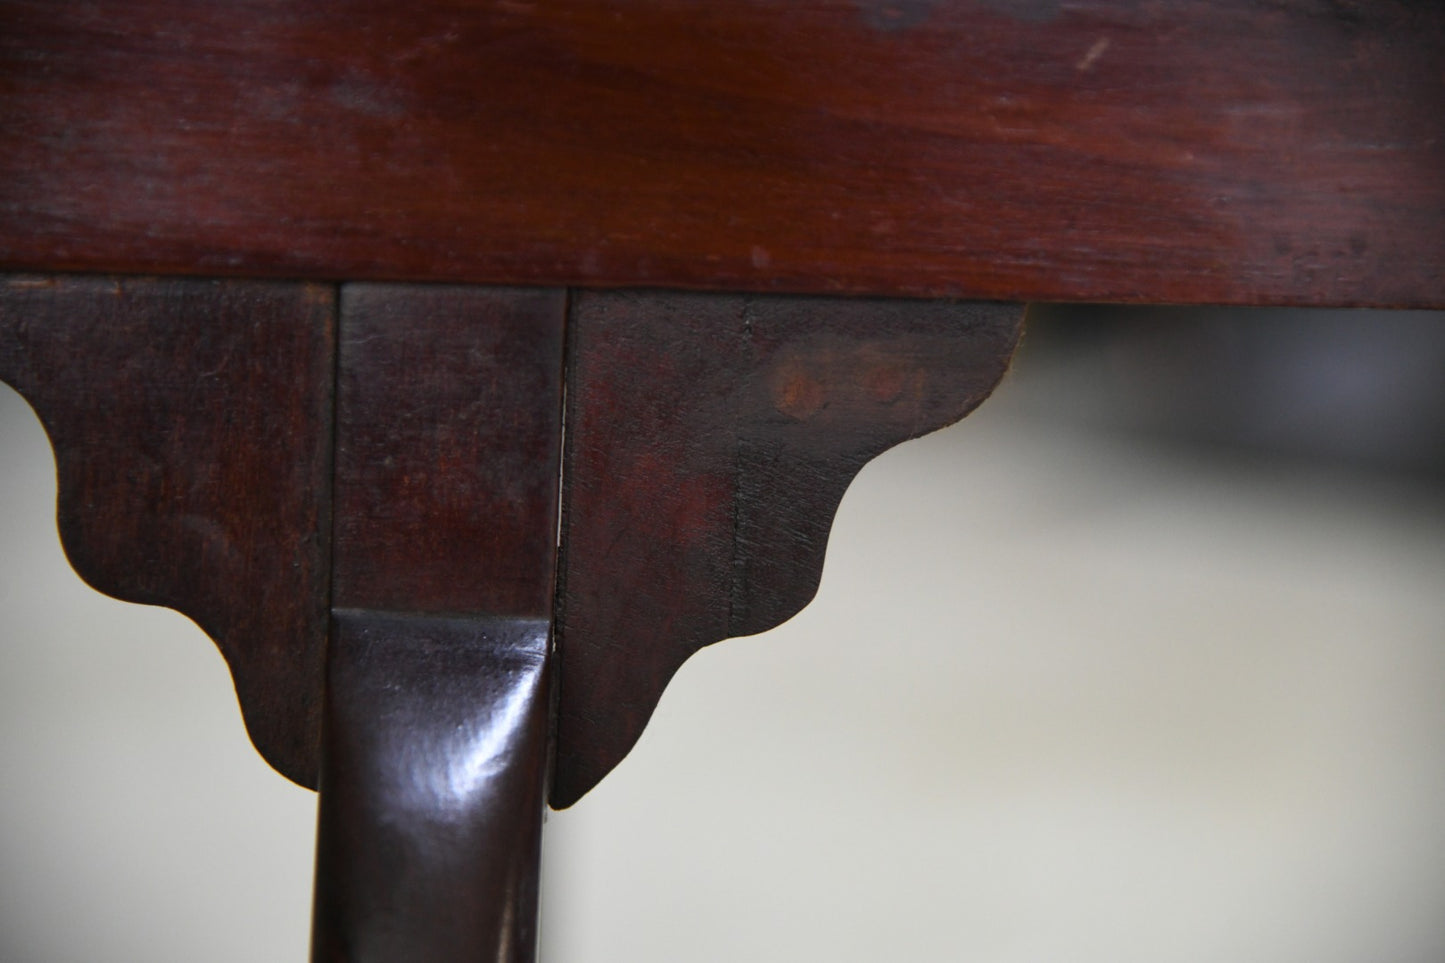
(1062, 697)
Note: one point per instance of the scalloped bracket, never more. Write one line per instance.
(709, 441)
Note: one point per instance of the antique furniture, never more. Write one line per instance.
(462, 367)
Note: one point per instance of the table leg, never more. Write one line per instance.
(434, 766)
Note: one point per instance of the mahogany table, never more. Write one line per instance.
(462, 367)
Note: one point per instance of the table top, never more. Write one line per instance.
(1175, 151)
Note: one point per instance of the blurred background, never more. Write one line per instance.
(1143, 661)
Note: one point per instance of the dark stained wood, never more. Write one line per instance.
(1202, 151)
(433, 789)
(191, 422)
(709, 441)
(435, 747)
(449, 436)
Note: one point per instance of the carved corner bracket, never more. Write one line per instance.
(710, 439)
(355, 493)
(191, 423)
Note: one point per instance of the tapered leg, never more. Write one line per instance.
(433, 780)
(435, 731)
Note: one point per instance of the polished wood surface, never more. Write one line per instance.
(432, 789)
(709, 441)
(191, 422)
(1199, 151)
(1174, 151)
(435, 748)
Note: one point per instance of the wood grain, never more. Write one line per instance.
(449, 438)
(439, 698)
(1189, 151)
(191, 423)
(709, 441)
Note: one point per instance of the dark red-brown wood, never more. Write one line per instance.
(435, 746)
(191, 422)
(709, 441)
(448, 446)
(711, 438)
(1230, 151)
(432, 789)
